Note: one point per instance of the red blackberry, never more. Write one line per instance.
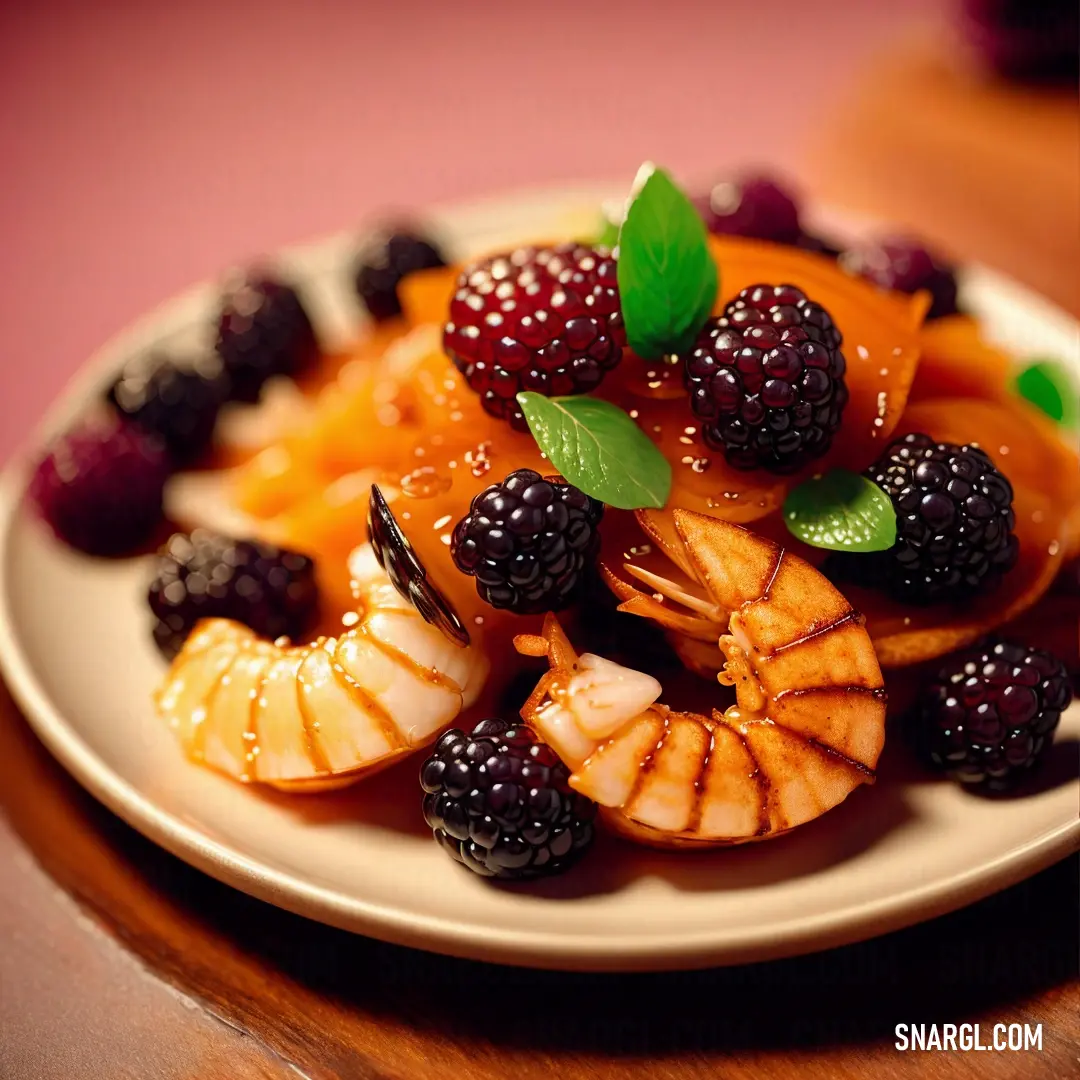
(755, 207)
(954, 524)
(543, 319)
(906, 266)
(206, 576)
(500, 802)
(386, 258)
(990, 713)
(263, 330)
(766, 379)
(177, 403)
(100, 486)
(529, 542)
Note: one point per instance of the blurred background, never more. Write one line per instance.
(146, 145)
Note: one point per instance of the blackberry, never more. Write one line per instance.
(529, 542)
(755, 207)
(954, 524)
(908, 267)
(385, 259)
(819, 245)
(500, 802)
(543, 319)
(766, 379)
(177, 403)
(100, 486)
(263, 330)
(206, 576)
(990, 713)
(1029, 40)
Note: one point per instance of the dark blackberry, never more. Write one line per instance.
(819, 245)
(206, 576)
(500, 802)
(386, 258)
(1030, 40)
(766, 379)
(529, 542)
(954, 524)
(990, 713)
(263, 330)
(177, 403)
(100, 485)
(755, 207)
(543, 319)
(908, 267)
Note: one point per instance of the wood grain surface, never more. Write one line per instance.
(119, 961)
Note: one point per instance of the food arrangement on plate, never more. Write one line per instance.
(634, 531)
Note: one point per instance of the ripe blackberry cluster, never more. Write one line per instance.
(177, 403)
(500, 802)
(954, 524)
(906, 266)
(206, 576)
(100, 486)
(990, 713)
(542, 319)
(756, 207)
(529, 542)
(766, 379)
(263, 330)
(384, 260)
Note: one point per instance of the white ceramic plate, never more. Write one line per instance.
(76, 651)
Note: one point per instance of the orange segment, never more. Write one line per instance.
(425, 295)
(958, 362)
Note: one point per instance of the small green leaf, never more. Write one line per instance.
(1048, 385)
(841, 511)
(599, 449)
(667, 278)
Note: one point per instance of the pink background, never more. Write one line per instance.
(144, 144)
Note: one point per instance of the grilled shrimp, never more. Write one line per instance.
(311, 717)
(809, 719)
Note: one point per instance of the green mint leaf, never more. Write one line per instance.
(841, 511)
(1048, 385)
(667, 278)
(599, 449)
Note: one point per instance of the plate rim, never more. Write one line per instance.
(665, 950)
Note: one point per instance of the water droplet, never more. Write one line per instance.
(863, 351)
(1054, 547)
(442, 522)
(688, 459)
(350, 618)
(690, 430)
(883, 372)
(637, 551)
(445, 538)
(633, 414)
(424, 483)
(1003, 450)
(479, 620)
(701, 464)
(658, 597)
(456, 415)
(686, 441)
(657, 429)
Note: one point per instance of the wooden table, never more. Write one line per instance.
(118, 961)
